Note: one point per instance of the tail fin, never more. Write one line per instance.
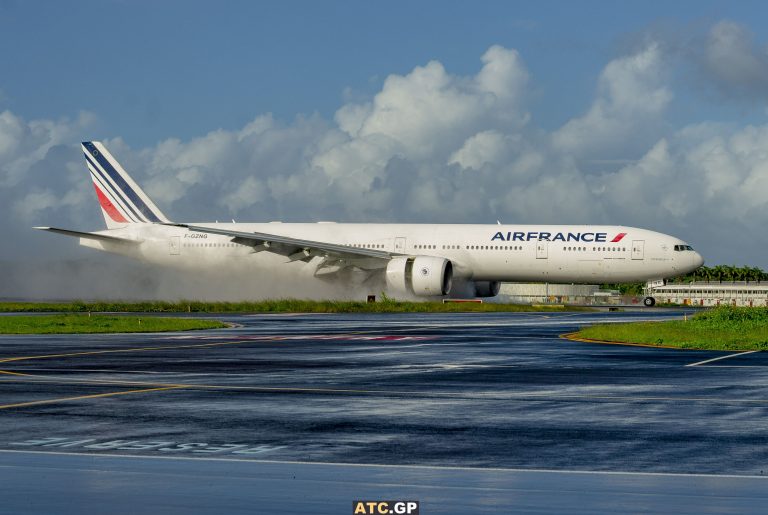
(122, 200)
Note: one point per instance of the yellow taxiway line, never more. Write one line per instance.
(572, 337)
(81, 397)
(131, 349)
(154, 388)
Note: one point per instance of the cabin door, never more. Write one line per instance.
(399, 246)
(638, 249)
(542, 248)
(173, 246)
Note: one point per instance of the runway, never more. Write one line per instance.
(479, 400)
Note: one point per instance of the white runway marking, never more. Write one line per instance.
(721, 357)
(381, 465)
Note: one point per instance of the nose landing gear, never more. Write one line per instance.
(649, 301)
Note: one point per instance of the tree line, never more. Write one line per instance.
(725, 273)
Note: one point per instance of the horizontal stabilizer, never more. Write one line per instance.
(88, 235)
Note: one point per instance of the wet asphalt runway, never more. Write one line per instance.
(490, 391)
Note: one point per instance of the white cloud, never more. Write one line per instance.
(736, 64)
(700, 172)
(24, 143)
(429, 111)
(631, 100)
(479, 149)
(35, 202)
(246, 194)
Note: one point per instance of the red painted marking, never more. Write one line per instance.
(353, 337)
(346, 337)
(618, 237)
(108, 206)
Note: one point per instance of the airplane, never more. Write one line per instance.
(406, 260)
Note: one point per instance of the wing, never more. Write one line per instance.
(296, 249)
(88, 235)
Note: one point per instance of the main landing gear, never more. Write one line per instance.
(649, 302)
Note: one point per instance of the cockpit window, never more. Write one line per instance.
(682, 248)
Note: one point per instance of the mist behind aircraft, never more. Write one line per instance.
(118, 278)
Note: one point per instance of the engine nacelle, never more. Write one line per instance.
(487, 288)
(420, 275)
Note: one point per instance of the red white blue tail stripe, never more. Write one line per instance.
(122, 200)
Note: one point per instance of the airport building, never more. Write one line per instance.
(543, 293)
(712, 294)
(690, 294)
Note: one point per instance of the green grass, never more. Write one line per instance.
(272, 306)
(723, 328)
(80, 323)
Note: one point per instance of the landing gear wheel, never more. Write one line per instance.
(649, 302)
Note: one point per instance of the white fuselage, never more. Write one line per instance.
(554, 253)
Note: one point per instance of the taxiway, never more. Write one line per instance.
(395, 405)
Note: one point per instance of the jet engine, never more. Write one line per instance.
(420, 275)
(487, 288)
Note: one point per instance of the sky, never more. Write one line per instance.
(648, 114)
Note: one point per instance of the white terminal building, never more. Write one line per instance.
(691, 294)
(713, 294)
(543, 293)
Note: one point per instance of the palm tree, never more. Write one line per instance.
(757, 274)
(752, 273)
(718, 272)
(705, 273)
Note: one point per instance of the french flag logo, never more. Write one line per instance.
(619, 237)
(108, 206)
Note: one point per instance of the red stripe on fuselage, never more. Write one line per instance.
(108, 206)
(618, 237)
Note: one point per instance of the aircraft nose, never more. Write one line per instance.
(697, 260)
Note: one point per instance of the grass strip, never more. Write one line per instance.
(80, 323)
(724, 328)
(275, 306)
